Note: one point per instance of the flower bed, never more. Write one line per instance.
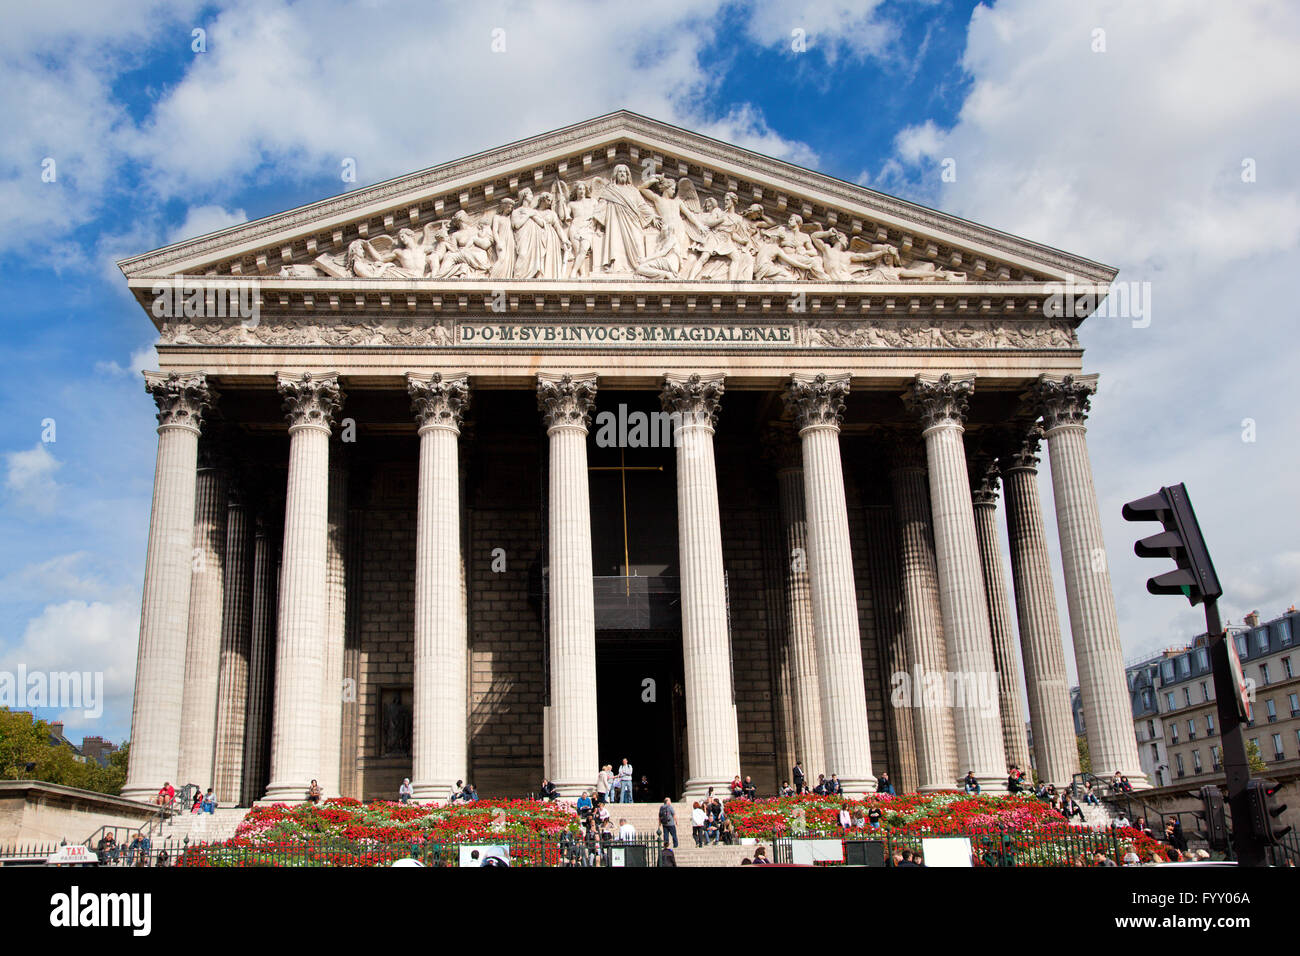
(344, 832)
(1021, 826)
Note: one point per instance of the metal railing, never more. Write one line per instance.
(1076, 847)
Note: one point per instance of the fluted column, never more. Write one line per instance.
(336, 603)
(203, 643)
(439, 741)
(261, 664)
(927, 653)
(566, 402)
(1056, 755)
(182, 399)
(984, 482)
(818, 406)
(1098, 654)
(236, 630)
(941, 403)
(783, 447)
(311, 401)
(711, 729)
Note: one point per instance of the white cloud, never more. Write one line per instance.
(201, 220)
(96, 637)
(60, 576)
(30, 478)
(833, 28)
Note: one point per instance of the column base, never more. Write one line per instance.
(139, 794)
(991, 785)
(572, 791)
(855, 787)
(431, 792)
(699, 789)
(936, 787)
(287, 793)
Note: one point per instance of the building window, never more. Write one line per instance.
(1286, 667)
(1263, 674)
(1205, 692)
(1191, 729)
(1278, 753)
(1215, 762)
(1284, 632)
(1209, 725)
(1147, 700)
(1155, 753)
(1173, 732)
(1187, 697)
(1255, 741)
(1184, 666)
(1169, 701)
(1294, 701)
(1178, 758)
(1261, 640)
(1241, 645)
(1167, 671)
(1271, 709)
(1151, 726)
(1202, 659)
(1196, 761)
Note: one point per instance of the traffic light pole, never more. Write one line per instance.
(1245, 842)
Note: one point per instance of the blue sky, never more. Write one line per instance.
(1131, 154)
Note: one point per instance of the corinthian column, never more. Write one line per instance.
(566, 402)
(1048, 686)
(182, 399)
(782, 447)
(236, 630)
(261, 663)
(203, 646)
(310, 402)
(1098, 655)
(941, 403)
(711, 732)
(922, 618)
(818, 406)
(438, 743)
(984, 483)
(336, 603)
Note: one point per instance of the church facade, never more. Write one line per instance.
(617, 442)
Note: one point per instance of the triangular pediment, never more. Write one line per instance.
(620, 197)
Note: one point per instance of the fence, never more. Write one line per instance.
(1072, 848)
(563, 851)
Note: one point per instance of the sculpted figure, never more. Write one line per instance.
(503, 240)
(677, 206)
(623, 214)
(582, 230)
(727, 236)
(841, 261)
(465, 249)
(795, 249)
(890, 268)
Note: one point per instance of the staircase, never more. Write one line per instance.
(204, 827)
(645, 817)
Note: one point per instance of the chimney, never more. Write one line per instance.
(56, 728)
(1252, 619)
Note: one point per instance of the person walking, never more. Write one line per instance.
(668, 821)
(698, 822)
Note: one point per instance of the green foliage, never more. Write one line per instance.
(1254, 758)
(1085, 756)
(26, 754)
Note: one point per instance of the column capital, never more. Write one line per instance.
(438, 402)
(566, 400)
(984, 479)
(695, 397)
(182, 398)
(311, 399)
(939, 400)
(818, 400)
(1064, 399)
(781, 446)
(1022, 453)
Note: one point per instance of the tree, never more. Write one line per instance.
(1085, 756)
(27, 754)
(1254, 758)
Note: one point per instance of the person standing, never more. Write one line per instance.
(800, 783)
(668, 820)
(603, 781)
(626, 831)
(698, 821)
(625, 781)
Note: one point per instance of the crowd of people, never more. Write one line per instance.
(199, 801)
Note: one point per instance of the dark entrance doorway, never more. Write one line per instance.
(640, 708)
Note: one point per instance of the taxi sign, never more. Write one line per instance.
(73, 855)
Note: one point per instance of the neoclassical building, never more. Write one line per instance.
(615, 442)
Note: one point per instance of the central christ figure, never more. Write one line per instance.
(624, 215)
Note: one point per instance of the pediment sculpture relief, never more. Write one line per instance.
(613, 228)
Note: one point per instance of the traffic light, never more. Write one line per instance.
(1181, 540)
(1264, 811)
(1215, 818)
